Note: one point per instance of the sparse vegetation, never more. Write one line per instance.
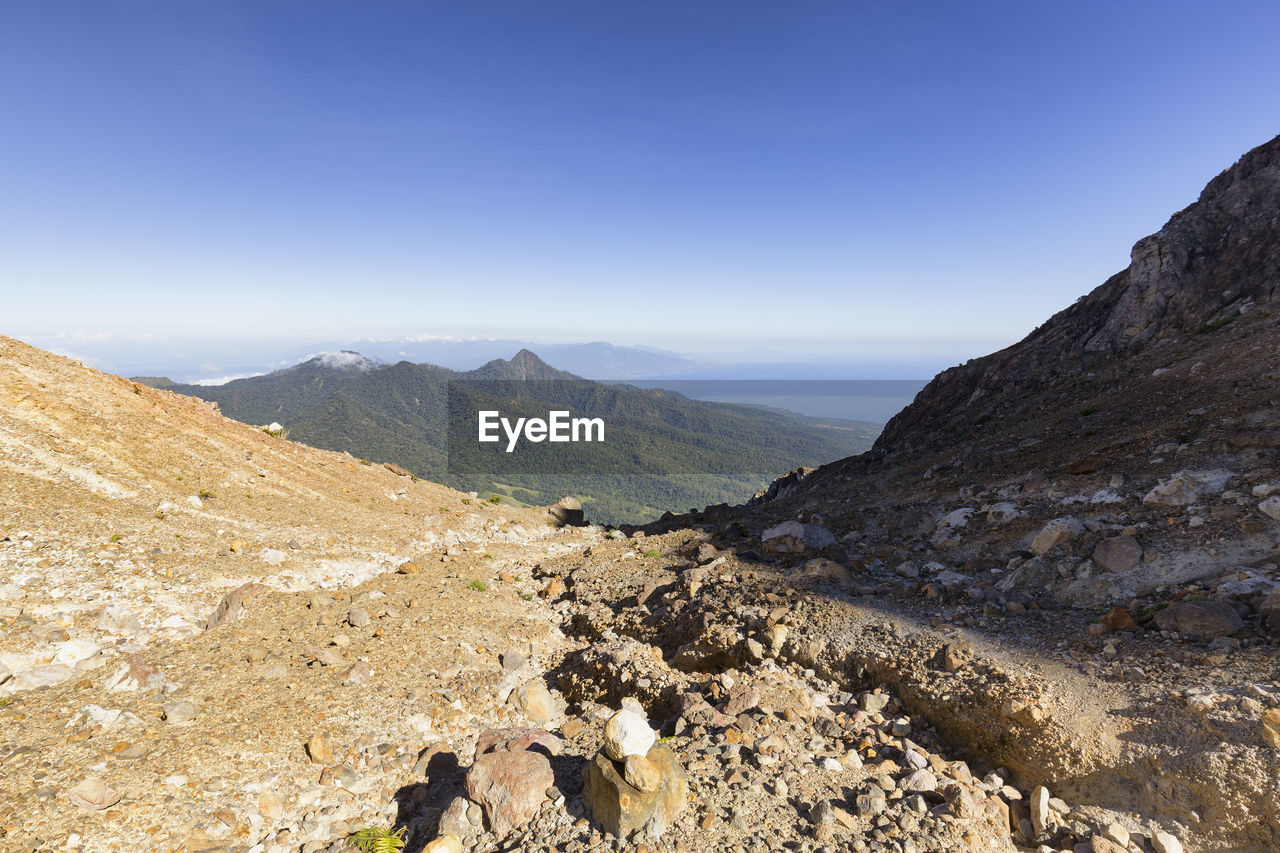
(493, 499)
(205, 494)
(478, 586)
(1090, 409)
(378, 839)
(1212, 325)
(653, 554)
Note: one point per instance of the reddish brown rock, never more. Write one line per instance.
(1119, 620)
(510, 786)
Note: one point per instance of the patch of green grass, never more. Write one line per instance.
(1213, 325)
(116, 537)
(653, 554)
(478, 586)
(205, 494)
(488, 556)
(1149, 613)
(527, 596)
(494, 499)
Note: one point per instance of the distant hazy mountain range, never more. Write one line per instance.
(663, 450)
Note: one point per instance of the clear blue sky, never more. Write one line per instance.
(698, 175)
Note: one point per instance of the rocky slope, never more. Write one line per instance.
(1212, 264)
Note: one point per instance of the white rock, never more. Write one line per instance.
(627, 733)
(273, 557)
(1003, 512)
(72, 652)
(1056, 532)
(1271, 506)
(41, 675)
(1163, 842)
(921, 781)
(1187, 487)
(93, 795)
(195, 502)
(1117, 833)
(1266, 490)
(957, 518)
(118, 619)
(11, 592)
(833, 765)
(1040, 809)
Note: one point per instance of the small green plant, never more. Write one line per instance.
(653, 554)
(377, 839)
(116, 537)
(488, 556)
(478, 586)
(1087, 410)
(741, 528)
(527, 596)
(6, 702)
(1212, 325)
(466, 501)
(494, 499)
(160, 515)
(205, 494)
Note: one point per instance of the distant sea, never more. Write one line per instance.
(874, 400)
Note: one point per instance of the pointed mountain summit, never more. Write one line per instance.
(524, 365)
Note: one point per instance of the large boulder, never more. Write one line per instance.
(1186, 488)
(1117, 554)
(1271, 506)
(1201, 619)
(794, 537)
(567, 512)
(1057, 532)
(510, 786)
(621, 808)
(1269, 610)
(233, 604)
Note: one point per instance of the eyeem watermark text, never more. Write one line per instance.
(557, 427)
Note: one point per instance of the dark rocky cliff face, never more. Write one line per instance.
(1212, 262)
